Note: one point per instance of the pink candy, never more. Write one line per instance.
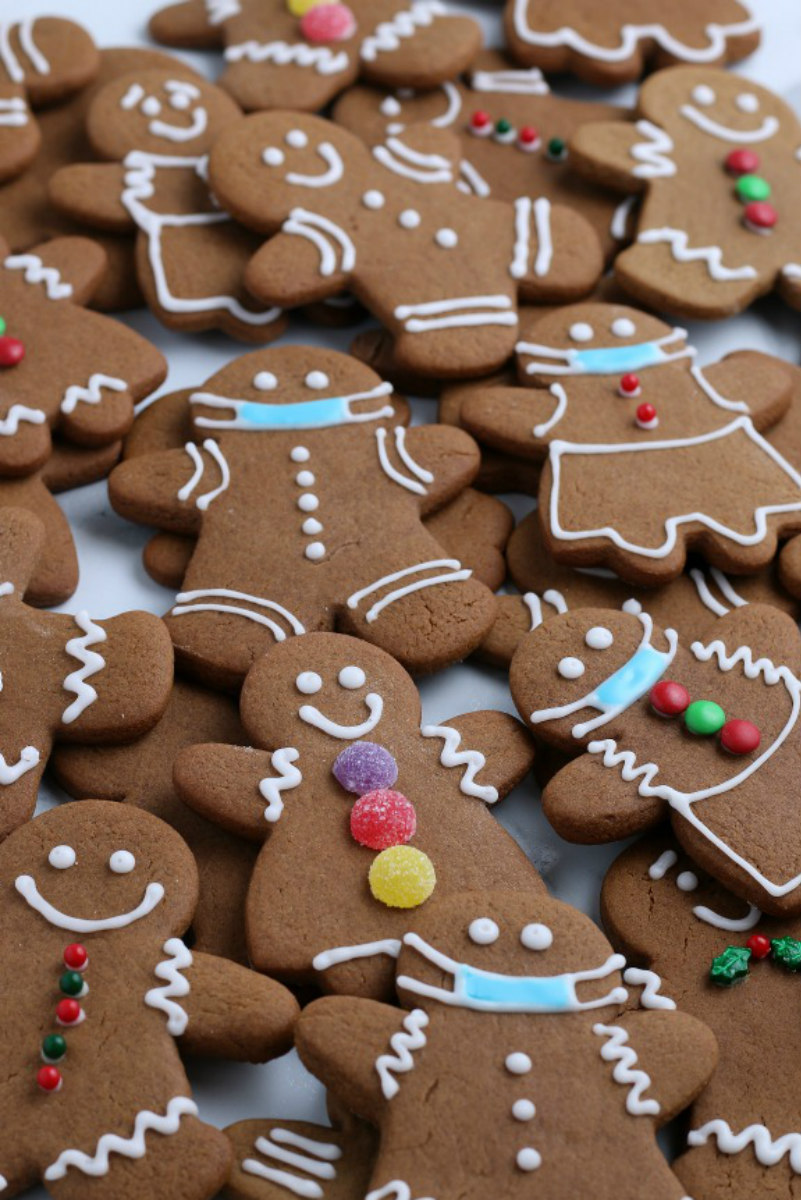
(328, 23)
(383, 818)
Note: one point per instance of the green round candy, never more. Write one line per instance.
(54, 1047)
(503, 126)
(704, 716)
(2, 326)
(71, 983)
(752, 187)
(557, 148)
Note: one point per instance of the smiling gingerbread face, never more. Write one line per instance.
(715, 103)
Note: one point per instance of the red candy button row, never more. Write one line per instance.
(671, 699)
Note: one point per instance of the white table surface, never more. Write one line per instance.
(113, 579)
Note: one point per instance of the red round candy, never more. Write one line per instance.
(528, 134)
(12, 351)
(68, 1012)
(76, 956)
(328, 23)
(49, 1079)
(480, 119)
(646, 414)
(742, 162)
(629, 384)
(382, 818)
(740, 737)
(759, 945)
(760, 214)
(668, 698)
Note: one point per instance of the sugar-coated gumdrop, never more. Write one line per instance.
(365, 767)
(328, 23)
(739, 737)
(383, 818)
(402, 877)
(668, 698)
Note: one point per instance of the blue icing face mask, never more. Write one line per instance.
(249, 415)
(606, 360)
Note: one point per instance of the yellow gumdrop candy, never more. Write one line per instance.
(402, 877)
(299, 8)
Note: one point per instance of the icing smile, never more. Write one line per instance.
(312, 716)
(701, 121)
(26, 886)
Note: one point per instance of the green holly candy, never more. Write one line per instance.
(752, 187)
(557, 149)
(787, 951)
(730, 967)
(503, 126)
(54, 1047)
(704, 717)
(71, 983)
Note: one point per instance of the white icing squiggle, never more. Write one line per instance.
(11, 772)
(13, 111)
(130, 1147)
(341, 954)
(337, 251)
(403, 1045)
(91, 661)
(188, 603)
(652, 155)
(36, 272)
(767, 1150)
(624, 1057)
(299, 54)
(396, 156)
(388, 35)
(18, 413)
(473, 760)
(11, 61)
(211, 448)
(274, 1147)
(179, 959)
(288, 777)
(455, 574)
(712, 256)
(651, 984)
(411, 485)
(91, 394)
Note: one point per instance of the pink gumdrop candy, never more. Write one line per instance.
(383, 818)
(328, 23)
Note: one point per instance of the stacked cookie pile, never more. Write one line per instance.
(265, 845)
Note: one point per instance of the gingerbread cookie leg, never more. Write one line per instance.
(278, 1160)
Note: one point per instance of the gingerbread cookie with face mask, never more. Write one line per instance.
(100, 992)
(154, 130)
(306, 492)
(515, 1060)
(704, 951)
(358, 804)
(643, 447)
(716, 157)
(442, 270)
(614, 45)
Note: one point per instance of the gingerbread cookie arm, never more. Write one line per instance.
(54, 577)
(622, 154)
(234, 1013)
(20, 137)
(325, 1037)
(760, 381)
(288, 269)
(568, 260)
(158, 489)
(492, 750)
(235, 786)
(190, 24)
(442, 45)
(444, 460)
(90, 193)
(675, 1052)
(513, 419)
(78, 262)
(617, 810)
(789, 284)
(512, 624)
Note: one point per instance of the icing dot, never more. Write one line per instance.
(687, 881)
(382, 818)
(580, 331)
(308, 682)
(599, 638)
(299, 454)
(623, 327)
(390, 107)
(536, 937)
(704, 95)
(747, 102)
(373, 199)
(483, 931)
(365, 767)
(304, 478)
(523, 1110)
(402, 877)
(517, 1063)
(272, 156)
(316, 380)
(151, 106)
(409, 218)
(297, 139)
(314, 551)
(265, 381)
(571, 668)
(528, 1159)
(352, 677)
(308, 502)
(311, 526)
(179, 101)
(447, 238)
(62, 857)
(122, 862)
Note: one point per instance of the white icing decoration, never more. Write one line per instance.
(472, 181)
(712, 256)
(274, 1147)
(179, 958)
(524, 83)
(455, 574)
(446, 238)
(528, 1159)
(311, 526)
(272, 156)
(767, 1150)
(623, 327)
(666, 860)
(541, 209)
(409, 219)
(411, 485)
(352, 677)
(315, 551)
(747, 102)
(91, 393)
(122, 862)
(599, 638)
(517, 1063)
(130, 1147)
(687, 881)
(762, 133)
(388, 35)
(265, 381)
(483, 931)
(316, 380)
(150, 105)
(14, 68)
(620, 218)
(472, 760)
(18, 413)
(458, 312)
(337, 251)
(390, 107)
(187, 603)
(297, 139)
(36, 272)
(396, 156)
(373, 199)
(536, 936)
(403, 1044)
(524, 1110)
(299, 454)
(312, 716)
(308, 502)
(179, 133)
(653, 155)
(305, 479)
(341, 954)
(580, 331)
(324, 60)
(11, 772)
(571, 668)
(650, 983)
(308, 682)
(62, 857)
(26, 886)
(730, 924)
(335, 169)
(91, 663)
(704, 95)
(616, 1050)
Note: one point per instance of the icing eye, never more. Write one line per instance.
(409, 218)
(151, 106)
(390, 107)
(180, 101)
(272, 156)
(373, 199)
(297, 139)
(599, 638)
(536, 937)
(623, 327)
(483, 931)
(299, 454)
(747, 102)
(352, 677)
(265, 381)
(687, 881)
(571, 668)
(308, 682)
(704, 95)
(580, 331)
(316, 380)
(447, 238)
(122, 862)
(62, 857)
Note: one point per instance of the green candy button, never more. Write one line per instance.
(704, 716)
(54, 1047)
(557, 149)
(71, 983)
(752, 187)
(2, 326)
(503, 126)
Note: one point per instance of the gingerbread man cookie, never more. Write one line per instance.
(643, 447)
(716, 157)
(312, 49)
(442, 270)
(153, 129)
(705, 733)
(365, 814)
(306, 492)
(693, 941)
(514, 1061)
(94, 1098)
(613, 44)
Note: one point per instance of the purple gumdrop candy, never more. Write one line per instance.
(364, 767)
